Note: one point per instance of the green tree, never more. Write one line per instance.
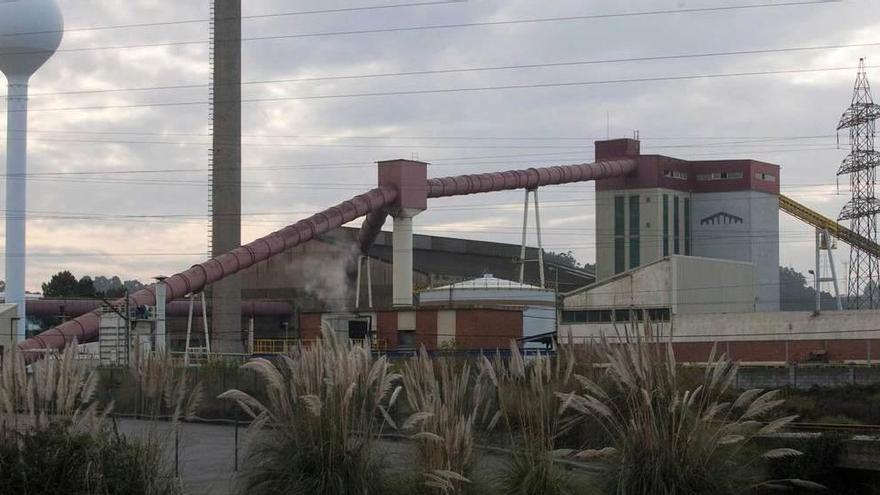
(85, 287)
(65, 284)
(795, 293)
(62, 284)
(566, 259)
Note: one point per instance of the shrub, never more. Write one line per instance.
(57, 387)
(525, 392)
(315, 431)
(672, 440)
(59, 459)
(445, 402)
(54, 436)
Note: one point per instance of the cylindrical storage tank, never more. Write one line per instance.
(539, 305)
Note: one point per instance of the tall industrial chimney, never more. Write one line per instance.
(30, 32)
(226, 173)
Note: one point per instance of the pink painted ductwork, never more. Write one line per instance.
(85, 328)
(78, 307)
(528, 179)
(370, 229)
(374, 203)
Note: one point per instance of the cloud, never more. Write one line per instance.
(282, 174)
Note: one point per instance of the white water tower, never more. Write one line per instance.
(30, 32)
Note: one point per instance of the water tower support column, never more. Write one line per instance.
(16, 197)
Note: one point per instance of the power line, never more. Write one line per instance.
(458, 161)
(244, 17)
(373, 145)
(430, 138)
(456, 90)
(453, 26)
(477, 69)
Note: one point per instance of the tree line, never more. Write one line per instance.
(65, 284)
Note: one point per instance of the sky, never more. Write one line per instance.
(118, 151)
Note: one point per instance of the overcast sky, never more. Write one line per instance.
(302, 155)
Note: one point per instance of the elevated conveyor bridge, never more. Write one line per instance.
(821, 222)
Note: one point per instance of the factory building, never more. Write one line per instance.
(457, 305)
(315, 277)
(674, 285)
(721, 209)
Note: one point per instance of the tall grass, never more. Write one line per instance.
(55, 436)
(315, 431)
(671, 440)
(527, 404)
(164, 388)
(57, 388)
(446, 402)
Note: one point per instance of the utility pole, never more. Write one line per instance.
(226, 169)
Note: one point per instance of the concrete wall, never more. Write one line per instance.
(742, 226)
(685, 284)
(651, 236)
(703, 285)
(806, 377)
(775, 338)
(649, 286)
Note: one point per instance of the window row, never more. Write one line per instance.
(615, 315)
(720, 176)
(675, 174)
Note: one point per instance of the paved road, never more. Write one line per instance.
(206, 459)
(206, 454)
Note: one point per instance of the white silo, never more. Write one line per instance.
(30, 32)
(538, 305)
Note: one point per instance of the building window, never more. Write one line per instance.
(687, 226)
(634, 225)
(665, 225)
(619, 234)
(676, 226)
(675, 174)
(406, 339)
(720, 176)
(658, 314)
(574, 317)
(765, 177)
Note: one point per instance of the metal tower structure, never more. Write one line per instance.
(861, 210)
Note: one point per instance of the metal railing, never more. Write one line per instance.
(274, 346)
(282, 346)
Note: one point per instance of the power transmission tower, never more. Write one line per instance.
(861, 210)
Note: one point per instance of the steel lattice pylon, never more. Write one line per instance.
(862, 209)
